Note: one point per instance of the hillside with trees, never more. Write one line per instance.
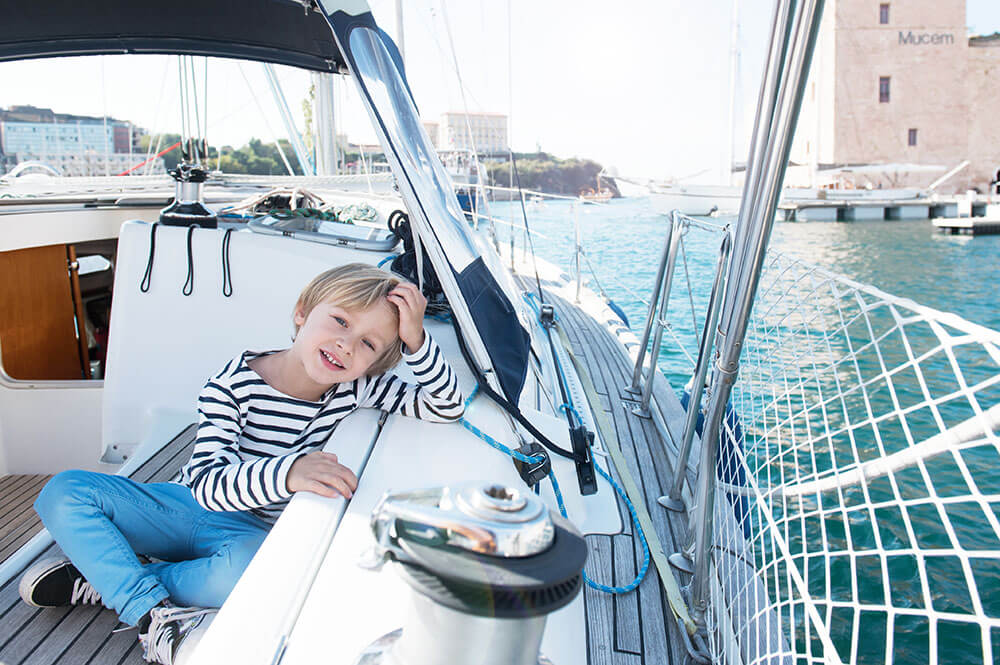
(255, 158)
(538, 171)
(543, 172)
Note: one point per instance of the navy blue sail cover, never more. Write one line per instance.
(283, 32)
(428, 192)
(507, 342)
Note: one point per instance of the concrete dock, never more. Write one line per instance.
(834, 210)
(973, 226)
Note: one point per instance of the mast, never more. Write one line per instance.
(400, 42)
(734, 75)
(324, 128)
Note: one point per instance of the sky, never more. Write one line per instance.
(643, 89)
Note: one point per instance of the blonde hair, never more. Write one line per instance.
(355, 286)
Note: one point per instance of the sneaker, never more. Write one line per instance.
(169, 628)
(56, 583)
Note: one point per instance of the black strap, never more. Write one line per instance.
(147, 278)
(227, 276)
(507, 406)
(189, 282)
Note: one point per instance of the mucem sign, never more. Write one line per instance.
(925, 38)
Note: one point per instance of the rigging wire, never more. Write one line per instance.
(527, 230)
(204, 136)
(267, 124)
(150, 149)
(195, 148)
(182, 82)
(510, 123)
(468, 127)
(687, 278)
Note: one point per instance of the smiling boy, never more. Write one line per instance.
(263, 421)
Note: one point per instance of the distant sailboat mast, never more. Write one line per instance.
(400, 42)
(734, 77)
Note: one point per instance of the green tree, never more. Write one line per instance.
(546, 173)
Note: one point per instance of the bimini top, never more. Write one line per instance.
(321, 35)
(283, 32)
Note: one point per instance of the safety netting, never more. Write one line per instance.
(859, 485)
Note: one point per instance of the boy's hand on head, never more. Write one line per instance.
(411, 304)
(321, 474)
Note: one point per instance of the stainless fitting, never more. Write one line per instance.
(489, 519)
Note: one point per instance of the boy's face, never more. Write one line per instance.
(337, 345)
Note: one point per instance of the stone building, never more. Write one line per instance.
(898, 83)
(489, 132)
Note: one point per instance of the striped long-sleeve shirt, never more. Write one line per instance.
(250, 434)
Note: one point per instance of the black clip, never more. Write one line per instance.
(582, 440)
(547, 315)
(534, 472)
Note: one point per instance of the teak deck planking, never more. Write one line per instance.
(80, 635)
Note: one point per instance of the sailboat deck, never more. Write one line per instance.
(18, 522)
(634, 629)
(637, 628)
(78, 635)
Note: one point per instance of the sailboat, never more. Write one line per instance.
(537, 529)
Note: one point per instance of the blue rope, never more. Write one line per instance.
(531, 299)
(386, 260)
(569, 407)
(527, 459)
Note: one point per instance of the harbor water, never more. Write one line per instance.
(623, 241)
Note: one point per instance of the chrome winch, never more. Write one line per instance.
(188, 207)
(487, 564)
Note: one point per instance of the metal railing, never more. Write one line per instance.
(656, 318)
(856, 504)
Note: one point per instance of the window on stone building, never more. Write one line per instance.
(911, 138)
(883, 13)
(883, 89)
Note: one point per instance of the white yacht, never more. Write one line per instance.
(815, 524)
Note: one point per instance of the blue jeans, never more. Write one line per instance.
(102, 521)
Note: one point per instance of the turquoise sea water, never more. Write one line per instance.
(624, 239)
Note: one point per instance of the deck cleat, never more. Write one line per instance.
(486, 564)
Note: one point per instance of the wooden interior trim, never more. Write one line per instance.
(81, 320)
